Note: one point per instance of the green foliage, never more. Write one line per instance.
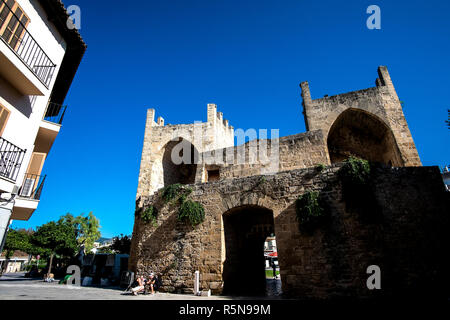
(355, 172)
(149, 215)
(357, 191)
(87, 229)
(107, 250)
(42, 265)
(262, 180)
(191, 211)
(16, 240)
(88, 232)
(174, 192)
(21, 240)
(309, 211)
(121, 244)
(56, 238)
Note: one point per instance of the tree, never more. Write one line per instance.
(86, 229)
(20, 240)
(56, 238)
(106, 250)
(121, 244)
(15, 240)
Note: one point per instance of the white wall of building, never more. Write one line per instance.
(28, 111)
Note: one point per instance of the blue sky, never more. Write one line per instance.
(246, 56)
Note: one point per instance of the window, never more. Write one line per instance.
(12, 26)
(4, 115)
(213, 175)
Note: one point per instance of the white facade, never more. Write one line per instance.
(28, 72)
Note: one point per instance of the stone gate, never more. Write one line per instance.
(245, 202)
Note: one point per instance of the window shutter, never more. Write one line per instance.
(4, 115)
(36, 163)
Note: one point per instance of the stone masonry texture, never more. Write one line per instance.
(406, 240)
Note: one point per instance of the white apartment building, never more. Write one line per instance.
(39, 57)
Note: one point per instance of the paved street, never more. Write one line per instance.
(17, 287)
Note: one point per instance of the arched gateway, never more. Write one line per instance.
(246, 229)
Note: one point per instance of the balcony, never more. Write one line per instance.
(49, 127)
(28, 197)
(25, 64)
(32, 187)
(11, 158)
(55, 113)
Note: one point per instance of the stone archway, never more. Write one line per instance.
(179, 162)
(360, 134)
(245, 229)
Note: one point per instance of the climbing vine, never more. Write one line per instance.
(356, 175)
(355, 172)
(175, 192)
(309, 211)
(191, 211)
(150, 215)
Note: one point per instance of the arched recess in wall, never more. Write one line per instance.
(360, 134)
(179, 162)
(245, 231)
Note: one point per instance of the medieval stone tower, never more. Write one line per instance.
(368, 123)
(158, 170)
(249, 194)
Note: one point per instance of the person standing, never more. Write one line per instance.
(274, 267)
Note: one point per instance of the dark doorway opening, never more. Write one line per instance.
(246, 230)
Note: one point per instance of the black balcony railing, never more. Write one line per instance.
(11, 158)
(17, 37)
(32, 186)
(55, 113)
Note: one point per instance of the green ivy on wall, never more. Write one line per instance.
(150, 215)
(175, 192)
(309, 211)
(191, 211)
(356, 175)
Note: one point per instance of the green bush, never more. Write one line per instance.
(33, 264)
(191, 211)
(175, 192)
(309, 211)
(149, 215)
(356, 176)
(355, 172)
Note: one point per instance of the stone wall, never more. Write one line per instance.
(204, 136)
(381, 102)
(407, 241)
(410, 203)
(304, 150)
